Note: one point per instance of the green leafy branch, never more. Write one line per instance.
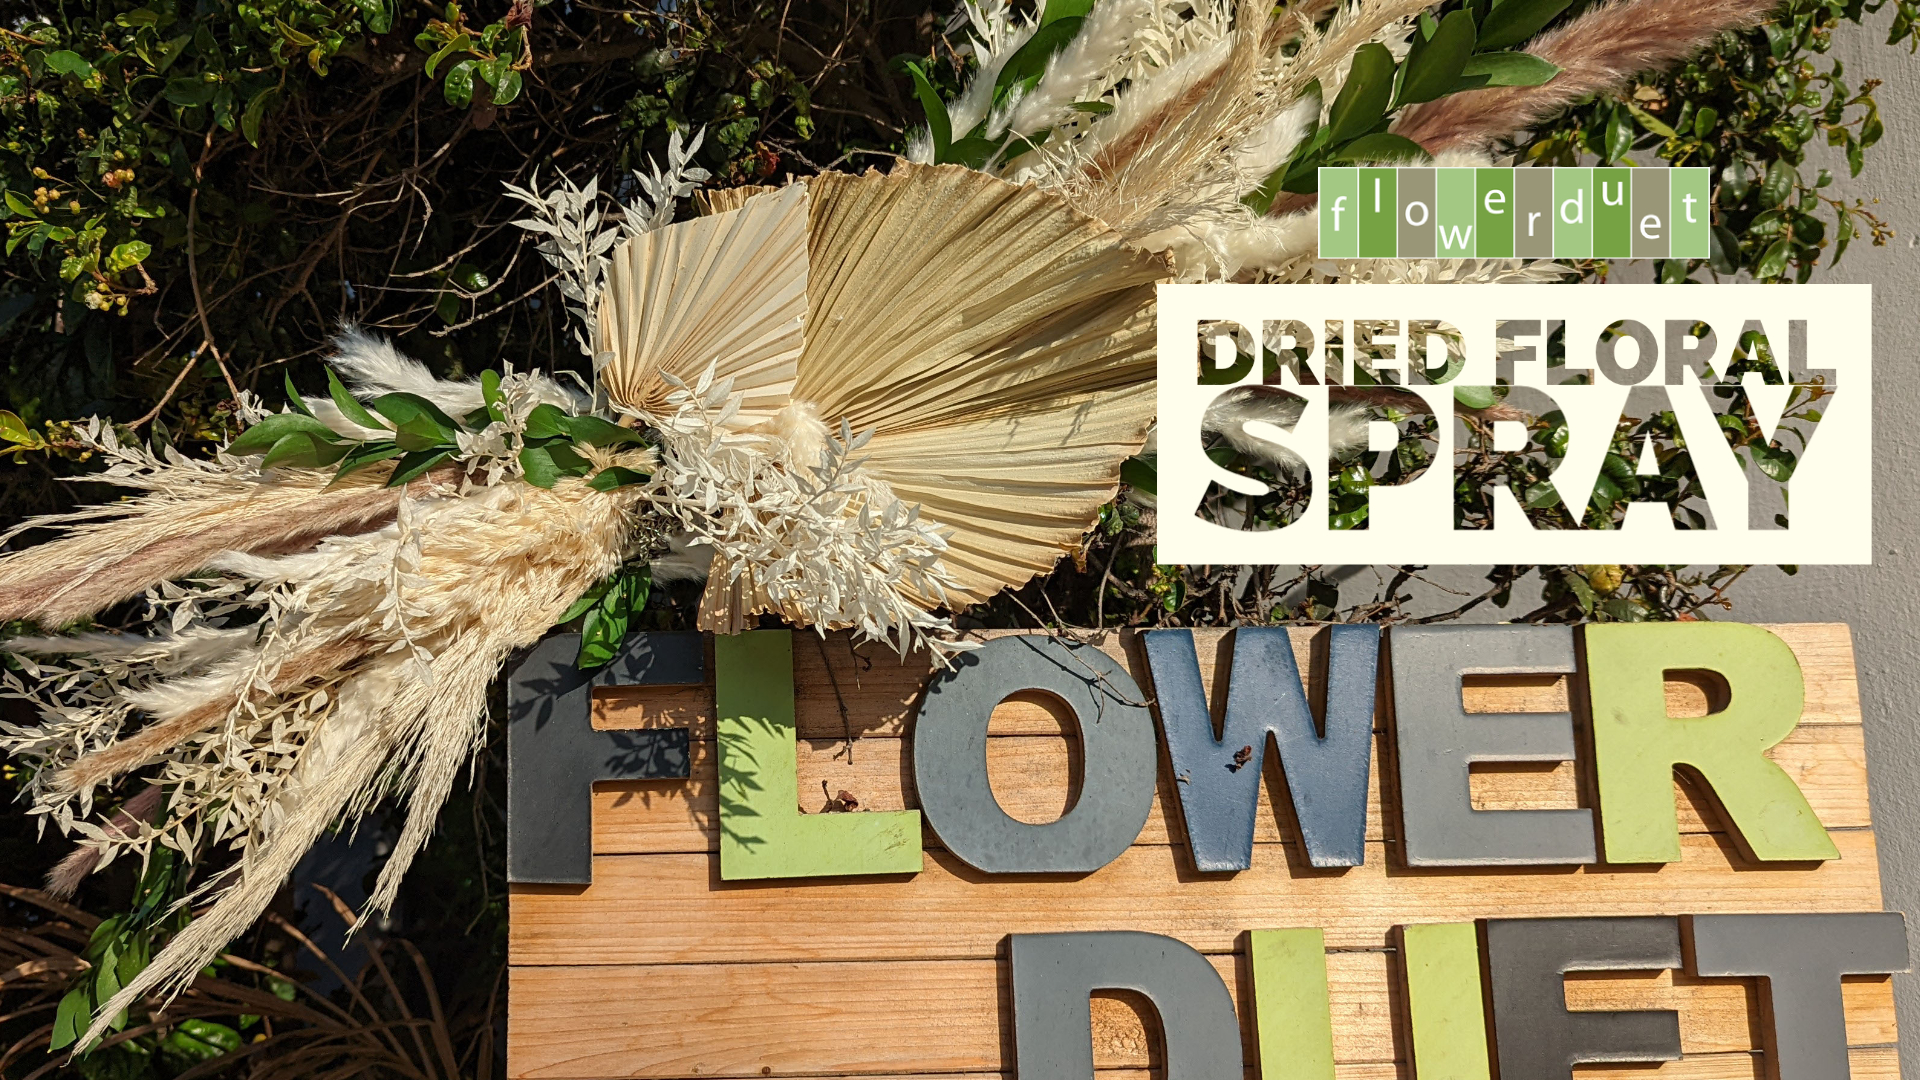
(606, 611)
(496, 54)
(425, 437)
(1749, 108)
(1466, 49)
(121, 946)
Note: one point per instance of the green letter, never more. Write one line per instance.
(763, 834)
(1291, 1012)
(1636, 744)
(1442, 963)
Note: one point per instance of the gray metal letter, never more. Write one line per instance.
(1326, 775)
(1438, 740)
(1053, 974)
(554, 755)
(1116, 743)
(1799, 959)
(1535, 1037)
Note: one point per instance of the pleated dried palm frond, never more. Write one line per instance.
(991, 346)
(727, 291)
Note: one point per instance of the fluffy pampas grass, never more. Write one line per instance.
(1597, 52)
(364, 676)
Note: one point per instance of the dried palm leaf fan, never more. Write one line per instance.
(996, 344)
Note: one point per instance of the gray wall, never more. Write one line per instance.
(1882, 601)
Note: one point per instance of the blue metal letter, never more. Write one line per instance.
(1219, 779)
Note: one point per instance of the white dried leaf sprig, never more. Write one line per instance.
(827, 543)
(662, 189)
(578, 234)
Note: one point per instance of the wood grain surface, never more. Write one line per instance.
(661, 970)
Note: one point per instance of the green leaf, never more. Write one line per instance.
(587, 599)
(377, 15)
(615, 476)
(939, 125)
(546, 421)
(1842, 236)
(200, 1040)
(1704, 120)
(490, 71)
(1781, 179)
(1362, 101)
(1141, 474)
(126, 256)
(972, 151)
(509, 87)
(67, 62)
(457, 43)
(414, 465)
(1542, 494)
(255, 112)
(418, 423)
(19, 205)
(1508, 69)
(261, 437)
(458, 89)
(1582, 591)
(538, 465)
(1724, 255)
(1475, 397)
(304, 450)
(1381, 146)
(1434, 65)
(1514, 21)
(15, 430)
(1777, 464)
(70, 1019)
(1350, 519)
(189, 90)
(490, 394)
(1651, 122)
(349, 405)
(1097, 108)
(1619, 138)
(293, 396)
(567, 459)
(364, 455)
(1056, 10)
(1773, 264)
(600, 637)
(597, 432)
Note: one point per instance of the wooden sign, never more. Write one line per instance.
(693, 927)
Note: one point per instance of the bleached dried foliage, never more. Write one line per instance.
(577, 239)
(791, 518)
(362, 674)
(662, 189)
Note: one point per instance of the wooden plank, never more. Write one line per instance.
(1030, 777)
(744, 1020)
(1866, 1062)
(906, 976)
(868, 692)
(950, 910)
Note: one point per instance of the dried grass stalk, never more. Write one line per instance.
(1597, 53)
